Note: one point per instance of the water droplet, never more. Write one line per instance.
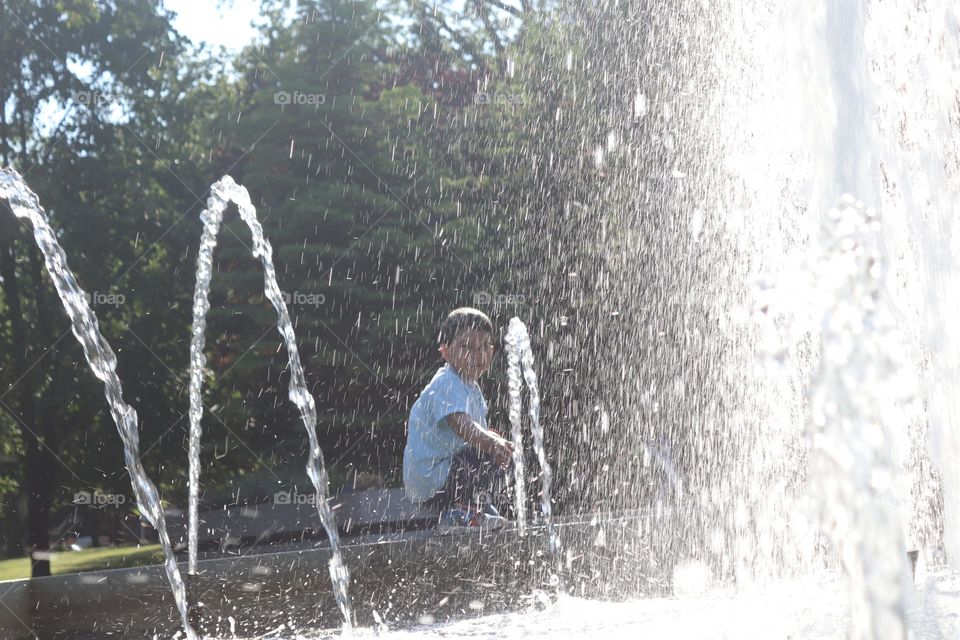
(639, 106)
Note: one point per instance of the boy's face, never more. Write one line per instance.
(469, 353)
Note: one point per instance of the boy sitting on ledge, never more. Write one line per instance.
(452, 462)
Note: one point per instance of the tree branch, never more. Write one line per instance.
(491, 30)
(465, 45)
(517, 13)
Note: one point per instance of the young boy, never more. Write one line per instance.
(452, 462)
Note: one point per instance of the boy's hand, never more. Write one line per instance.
(503, 455)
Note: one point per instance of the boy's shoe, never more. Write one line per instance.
(465, 520)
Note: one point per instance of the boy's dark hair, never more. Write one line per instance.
(463, 319)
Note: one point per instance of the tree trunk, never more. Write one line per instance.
(38, 509)
(38, 468)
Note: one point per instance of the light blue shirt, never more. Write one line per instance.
(431, 442)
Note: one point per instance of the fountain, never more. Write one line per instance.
(861, 394)
(520, 362)
(515, 390)
(690, 150)
(102, 361)
(718, 138)
(221, 194)
(25, 204)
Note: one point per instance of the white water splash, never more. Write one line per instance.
(222, 193)
(211, 218)
(915, 75)
(860, 395)
(807, 608)
(518, 344)
(515, 390)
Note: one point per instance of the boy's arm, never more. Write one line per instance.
(483, 440)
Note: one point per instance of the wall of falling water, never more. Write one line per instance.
(646, 276)
(862, 396)
(915, 73)
(682, 150)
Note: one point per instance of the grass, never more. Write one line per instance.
(86, 560)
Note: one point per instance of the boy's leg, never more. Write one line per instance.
(448, 496)
(474, 480)
(443, 499)
(477, 480)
